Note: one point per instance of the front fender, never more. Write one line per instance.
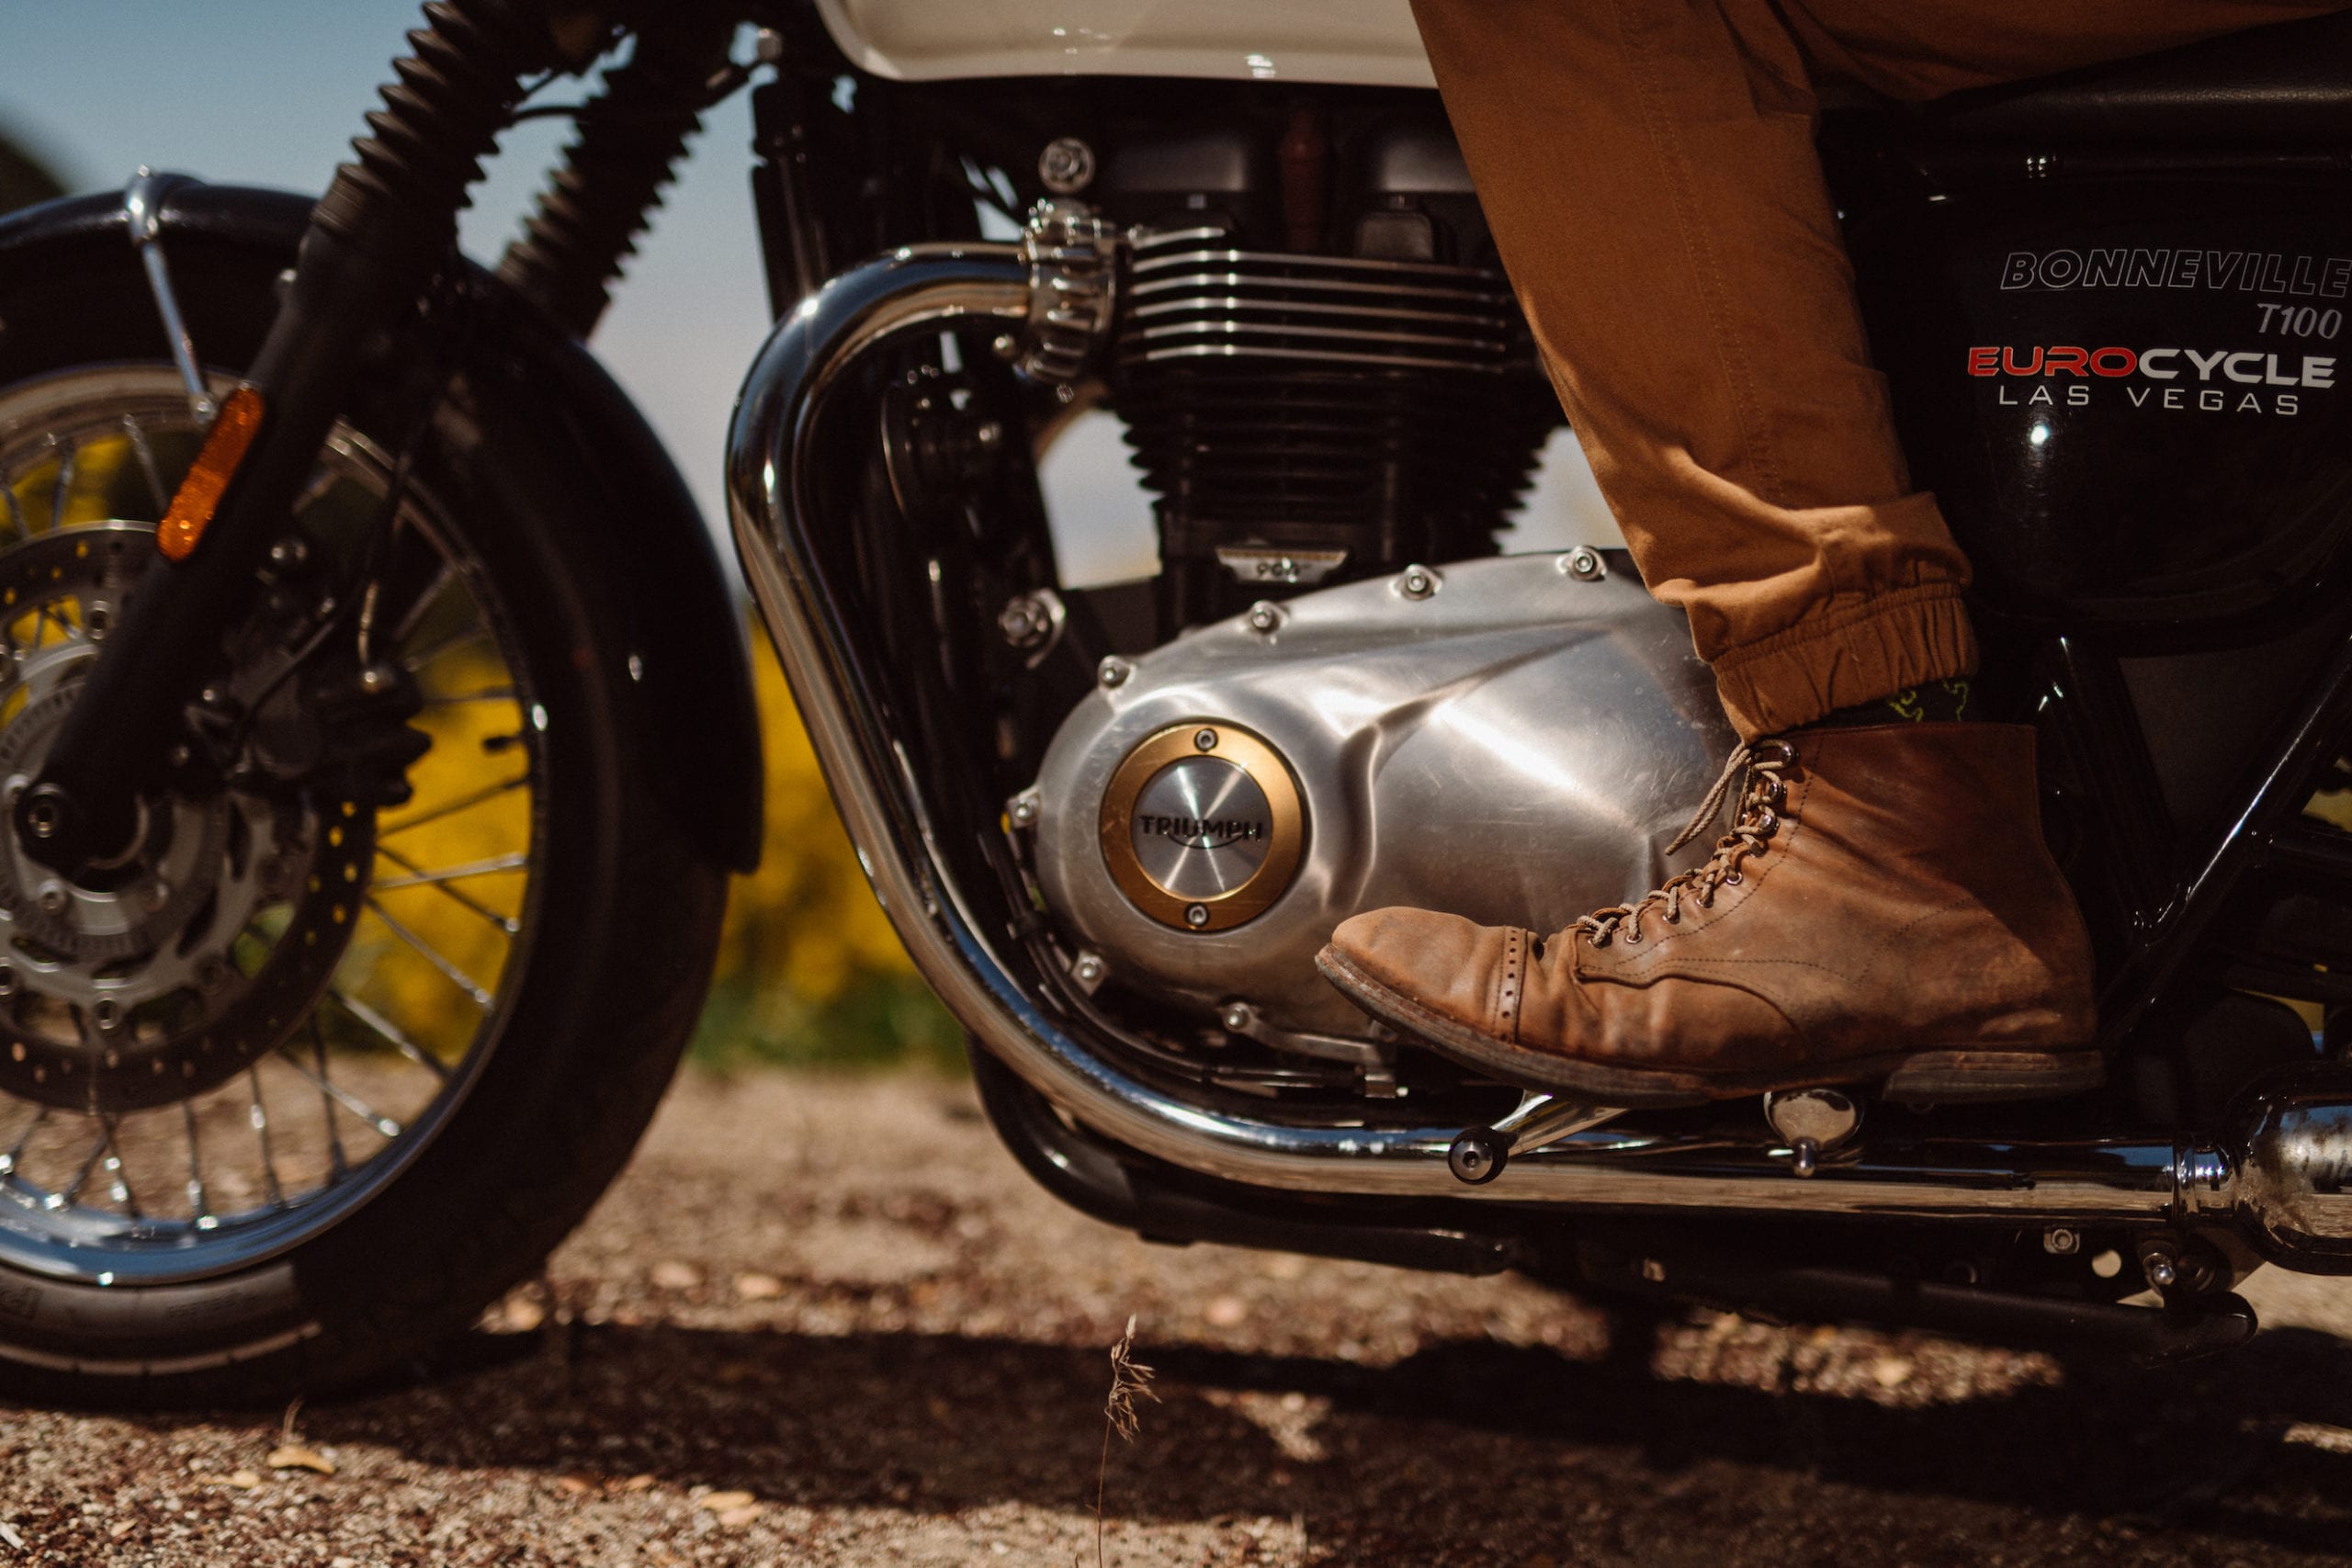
(534, 383)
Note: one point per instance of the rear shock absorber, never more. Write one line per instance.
(628, 147)
(374, 243)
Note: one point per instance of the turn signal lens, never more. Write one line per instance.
(234, 429)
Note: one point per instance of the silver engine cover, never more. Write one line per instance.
(1503, 738)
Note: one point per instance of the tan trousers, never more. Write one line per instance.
(1648, 169)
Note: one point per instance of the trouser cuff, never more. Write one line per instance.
(1890, 642)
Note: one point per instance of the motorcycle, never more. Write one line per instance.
(376, 737)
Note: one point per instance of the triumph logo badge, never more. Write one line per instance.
(1202, 826)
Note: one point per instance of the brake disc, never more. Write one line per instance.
(155, 978)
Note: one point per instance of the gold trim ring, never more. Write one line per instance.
(1286, 828)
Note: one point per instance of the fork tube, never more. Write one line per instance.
(375, 240)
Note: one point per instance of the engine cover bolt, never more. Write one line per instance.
(53, 897)
(1196, 915)
(1067, 166)
(1113, 673)
(1089, 971)
(1026, 622)
(1235, 1018)
(1023, 809)
(1205, 740)
(1418, 582)
(1584, 564)
(107, 1013)
(2060, 1242)
(211, 975)
(1265, 616)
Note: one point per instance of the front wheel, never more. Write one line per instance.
(406, 950)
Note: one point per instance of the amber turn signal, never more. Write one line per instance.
(234, 429)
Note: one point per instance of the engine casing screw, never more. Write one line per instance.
(1237, 1018)
(1205, 740)
(1584, 564)
(211, 975)
(1113, 673)
(1023, 809)
(1088, 971)
(1196, 915)
(107, 1013)
(1418, 582)
(1265, 616)
(2060, 1242)
(53, 897)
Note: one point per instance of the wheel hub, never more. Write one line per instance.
(203, 945)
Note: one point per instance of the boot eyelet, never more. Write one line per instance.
(1733, 879)
(1633, 937)
(1774, 795)
(1765, 823)
(1783, 752)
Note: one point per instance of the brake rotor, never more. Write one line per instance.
(158, 977)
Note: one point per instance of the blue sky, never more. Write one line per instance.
(270, 92)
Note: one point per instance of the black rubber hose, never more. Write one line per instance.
(630, 142)
(408, 179)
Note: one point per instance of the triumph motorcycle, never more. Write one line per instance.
(376, 737)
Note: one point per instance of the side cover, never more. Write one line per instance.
(531, 382)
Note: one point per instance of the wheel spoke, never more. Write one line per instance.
(337, 1163)
(423, 602)
(417, 878)
(65, 1196)
(23, 529)
(118, 1180)
(146, 454)
(378, 1024)
(69, 467)
(336, 1094)
(16, 1150)
(463, 803)
(199, 1206)
(440, 883)
(257, 1117)
(432, 955)
(455, 640)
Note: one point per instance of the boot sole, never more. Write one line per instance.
(1939, 1076)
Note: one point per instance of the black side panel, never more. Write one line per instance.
(529, 379)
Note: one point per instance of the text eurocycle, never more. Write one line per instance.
(2214, 382)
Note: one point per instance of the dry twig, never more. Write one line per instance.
(1129, 1377)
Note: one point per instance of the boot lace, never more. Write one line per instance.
(1763, 795)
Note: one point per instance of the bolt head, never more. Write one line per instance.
(1196, 915)
(1088, 970)
(1067, 166)
(1005, 347)
(1418, 582)
(1024, 809)
(1205, 740)
(1584, 564)
(53, 897)
(1113, 673)
(2060, 1242)
(2163, 1274)
(107, 1013)
(1237, 1018)
(1265, 616)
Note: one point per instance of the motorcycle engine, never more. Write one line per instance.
(1354, 702)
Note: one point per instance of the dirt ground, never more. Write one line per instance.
(827, 1321)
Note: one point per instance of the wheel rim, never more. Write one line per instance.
(276, 1004)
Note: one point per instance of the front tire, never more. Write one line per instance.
(536, 1063)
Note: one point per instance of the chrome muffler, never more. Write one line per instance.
(2282, 1180)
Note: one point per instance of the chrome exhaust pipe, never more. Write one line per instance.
(2284, 1182)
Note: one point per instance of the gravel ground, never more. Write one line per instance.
(827, 1321)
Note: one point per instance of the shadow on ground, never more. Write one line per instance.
(1467, 1451)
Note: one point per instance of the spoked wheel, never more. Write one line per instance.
(216, 1048)
(350, 1036)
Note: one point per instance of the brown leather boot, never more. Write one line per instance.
(1883, 909)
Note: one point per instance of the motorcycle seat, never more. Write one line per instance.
(2285, 84)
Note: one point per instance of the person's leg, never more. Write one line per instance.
(1647, 167)
(1649, 170)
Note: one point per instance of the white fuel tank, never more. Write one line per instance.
(1367, 42)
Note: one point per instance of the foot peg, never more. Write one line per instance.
(1478, 1155)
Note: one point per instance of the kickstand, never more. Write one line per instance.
(1478, 1154)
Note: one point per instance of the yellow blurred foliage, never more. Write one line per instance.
(804, 929)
